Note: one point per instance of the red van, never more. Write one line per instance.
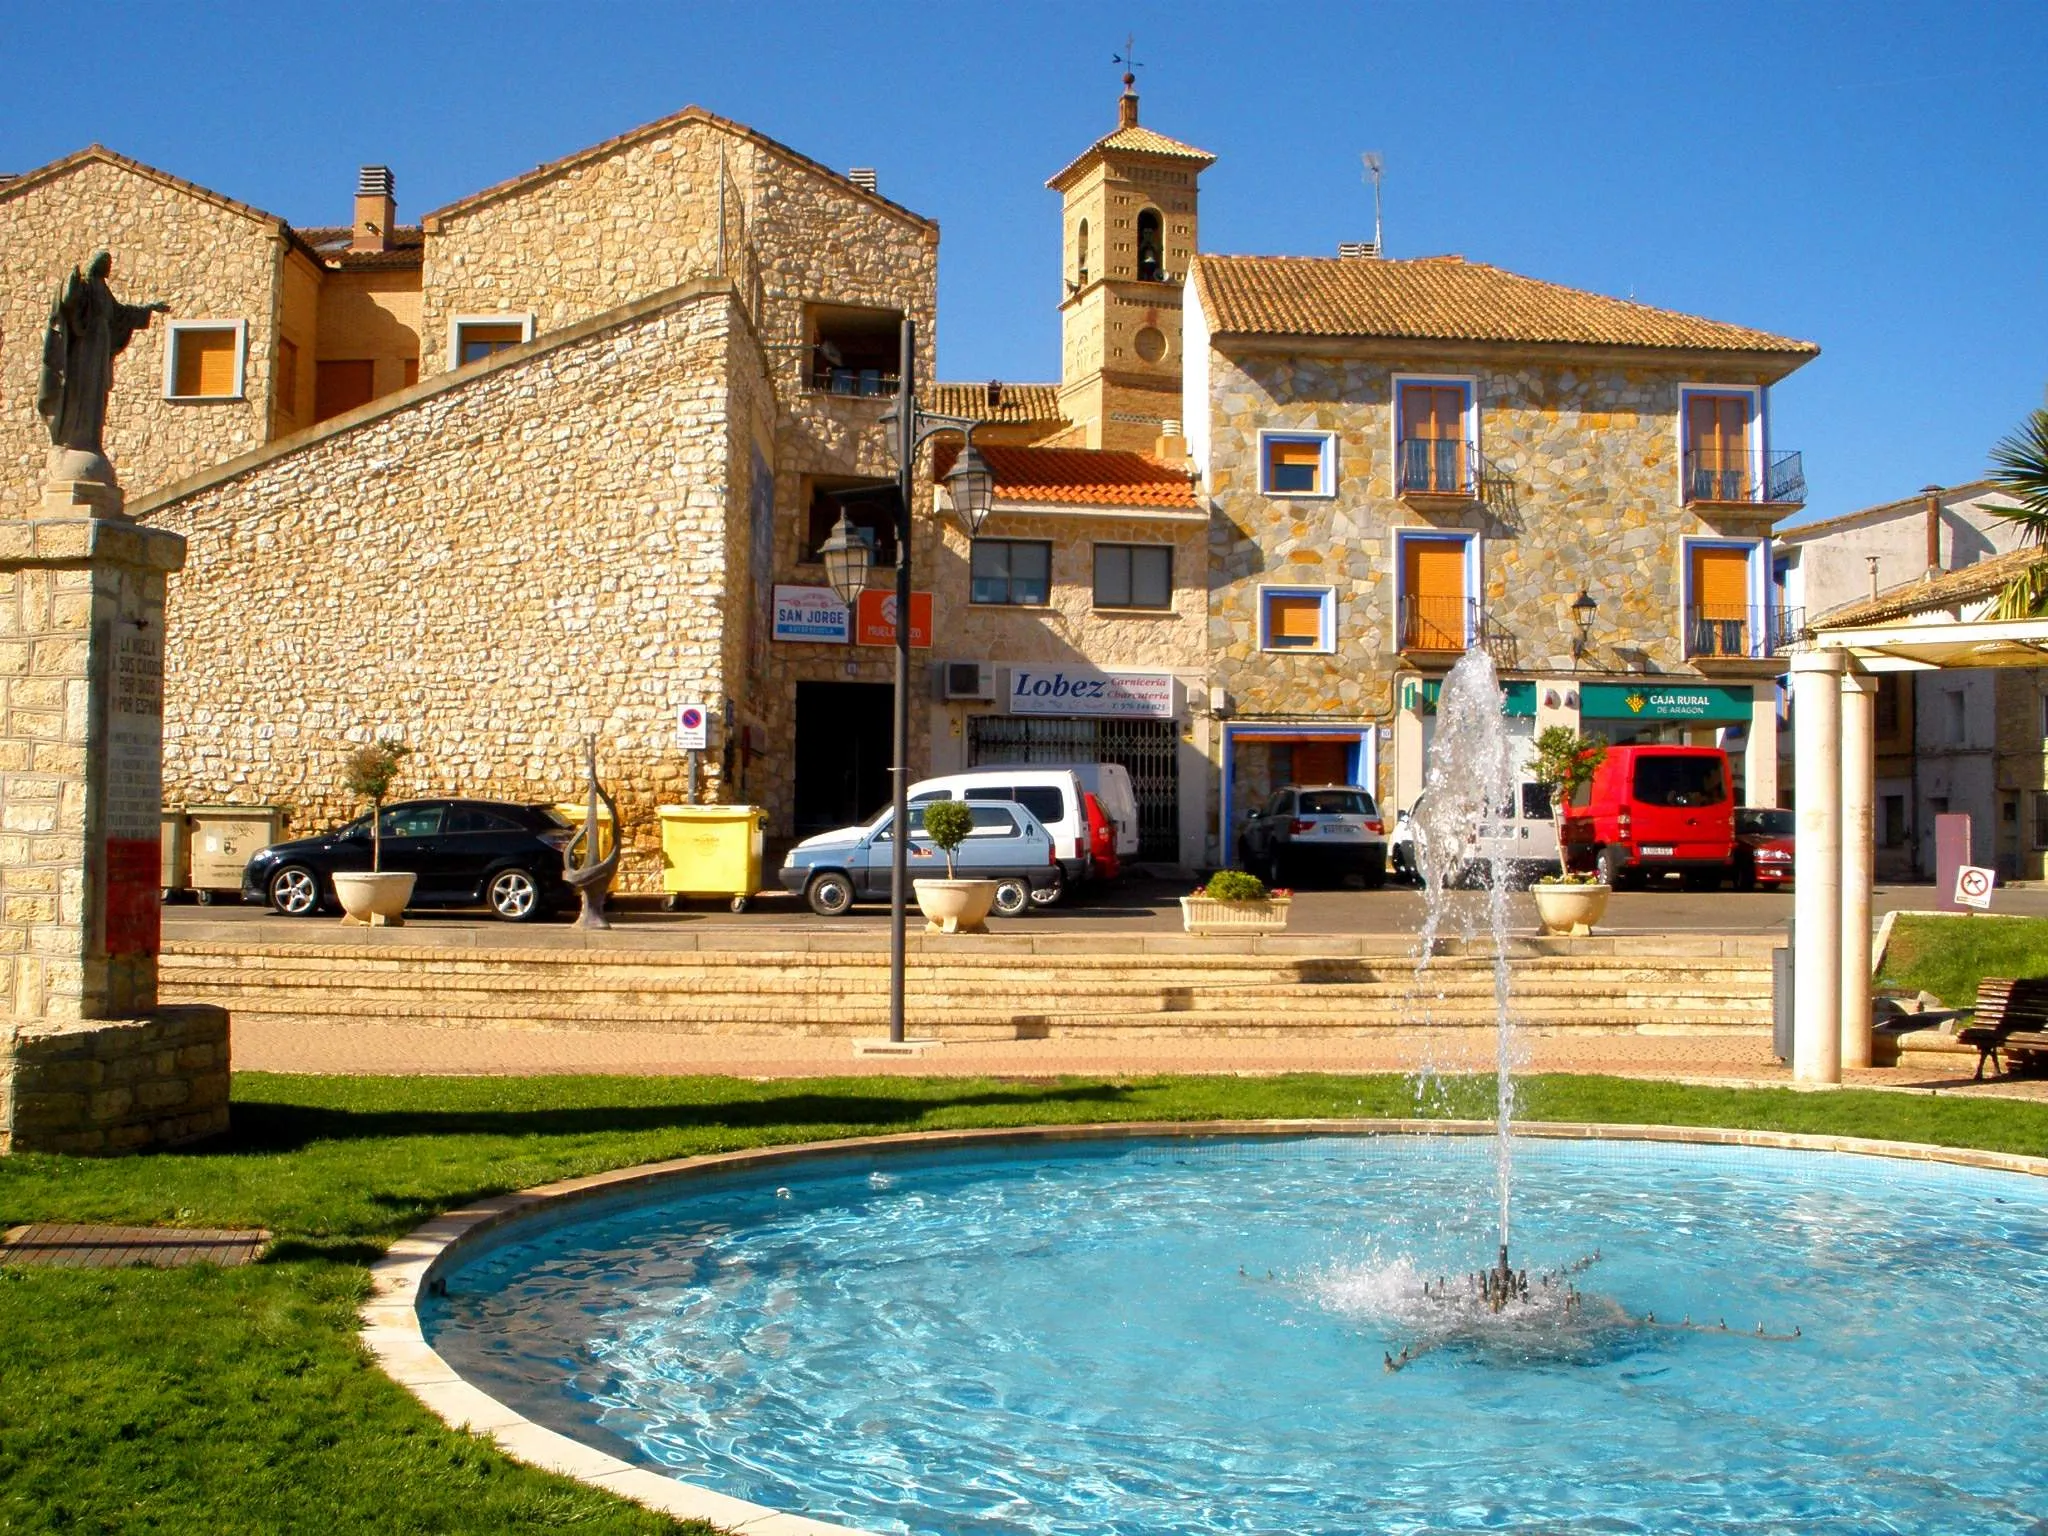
(1653, 811)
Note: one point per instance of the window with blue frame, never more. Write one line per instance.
(1296, 463)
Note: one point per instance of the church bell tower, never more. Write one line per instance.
(1129, 222)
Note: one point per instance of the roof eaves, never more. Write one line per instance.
(1970, 490)
(100, 152)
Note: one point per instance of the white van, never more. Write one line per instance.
(1053, 795)
(1522, 839)
(1110, 783)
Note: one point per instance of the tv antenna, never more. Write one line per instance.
(1375, 168)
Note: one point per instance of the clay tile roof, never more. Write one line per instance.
(1445, 299)
(1134, 140)
(1085, 477)
(1951, 589)
(1015, 402)
(331, 243)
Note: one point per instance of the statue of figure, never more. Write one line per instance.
(88, 326)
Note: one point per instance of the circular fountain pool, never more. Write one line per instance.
(1192, 1336)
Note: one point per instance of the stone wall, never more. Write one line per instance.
(1592, 499)
(478, 565)
(114, 1087)
(207, 259)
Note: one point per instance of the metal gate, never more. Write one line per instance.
(1147, 748)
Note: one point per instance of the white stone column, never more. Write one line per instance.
(1817, 867)
(1859, 768)
(1760, 753)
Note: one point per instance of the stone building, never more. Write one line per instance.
(577, 429)
(1408, 459)
(1958, 740)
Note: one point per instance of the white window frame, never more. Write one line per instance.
(524, 320)
(1325, 441)
(1475, 572)
(1759, 590)
(1326, 640)
(176, 328)
(1759, 436)
(1469, 382)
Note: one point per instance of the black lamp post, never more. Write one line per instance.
(848, 556)
(1583, 611)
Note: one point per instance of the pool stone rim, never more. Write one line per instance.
(392, 1334)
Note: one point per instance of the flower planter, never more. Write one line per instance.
(377, 900)
(1205, 914)
(955, 906)
(1570, 909)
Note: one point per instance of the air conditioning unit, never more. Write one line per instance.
(967, 680)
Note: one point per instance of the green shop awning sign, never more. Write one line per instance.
(1695, 701)
(1518, 700)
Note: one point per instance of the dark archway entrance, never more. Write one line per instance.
(842, 754)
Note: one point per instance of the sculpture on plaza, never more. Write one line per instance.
(591, 880)
(88, 328)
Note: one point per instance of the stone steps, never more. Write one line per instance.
(998, 991)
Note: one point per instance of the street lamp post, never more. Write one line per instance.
(848, 556)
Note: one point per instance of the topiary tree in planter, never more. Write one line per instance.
(368, 775)
(947, 823)
(1564, 762)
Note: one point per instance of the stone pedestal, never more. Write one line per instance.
(87, 1060)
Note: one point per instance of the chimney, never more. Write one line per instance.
(995, 394)
(1127, 104)
(862, 176)
(1171, 446)
(376, 209)
(1933, 495)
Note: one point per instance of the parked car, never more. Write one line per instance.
(1111, 784)
(1327, 830)
(1763, 846)
(1008, 845)
(464, 853)
(1522, 836)
(1052, 795)
(1102, 839)
(1653, 811)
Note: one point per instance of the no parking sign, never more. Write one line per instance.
(693, 728)
(1973, 886)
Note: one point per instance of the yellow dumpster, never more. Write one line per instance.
(710, 850)
(573, 812)
(223, 838)
(177, 851)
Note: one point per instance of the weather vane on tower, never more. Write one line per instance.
(1129, 59)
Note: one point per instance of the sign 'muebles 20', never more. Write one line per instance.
(1077, 691)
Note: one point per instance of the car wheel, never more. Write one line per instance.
(1612, 866)
(295, 891)
(514, 896)
(1375, 872)
(830, 894)
(1276, 872)
(1745, 875)
(1013, 897)
(1050, 895)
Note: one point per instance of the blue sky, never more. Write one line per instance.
(1870, 177)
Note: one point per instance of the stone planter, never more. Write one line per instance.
(1570, 909)
(374, 900)
(1205, 914)
(955, 906)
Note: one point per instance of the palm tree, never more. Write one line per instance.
(2019, 467)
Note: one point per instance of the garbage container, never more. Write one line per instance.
(177, 852)
(223, 838)
(573, 812)
(710, 850)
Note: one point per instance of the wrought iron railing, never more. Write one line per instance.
(1438, 466)
(866, 383)
(1730, 475)
(1715, 632)
(1443, 625)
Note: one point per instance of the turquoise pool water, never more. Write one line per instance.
(1167, 1336)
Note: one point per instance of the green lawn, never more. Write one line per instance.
(216, 1401)
(1948, 956)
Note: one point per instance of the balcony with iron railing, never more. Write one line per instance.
(861, 383)
(1741, 634)
(1727, 477)
(1450, 626)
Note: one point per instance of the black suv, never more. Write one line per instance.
(465, 853)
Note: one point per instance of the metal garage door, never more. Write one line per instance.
(1145, 747)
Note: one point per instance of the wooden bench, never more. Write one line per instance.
(2011, 1019)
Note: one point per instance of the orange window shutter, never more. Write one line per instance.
(1720, 582)
(1295, 618)
(1435, 568)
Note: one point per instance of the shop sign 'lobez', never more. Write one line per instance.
(1065, 691)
